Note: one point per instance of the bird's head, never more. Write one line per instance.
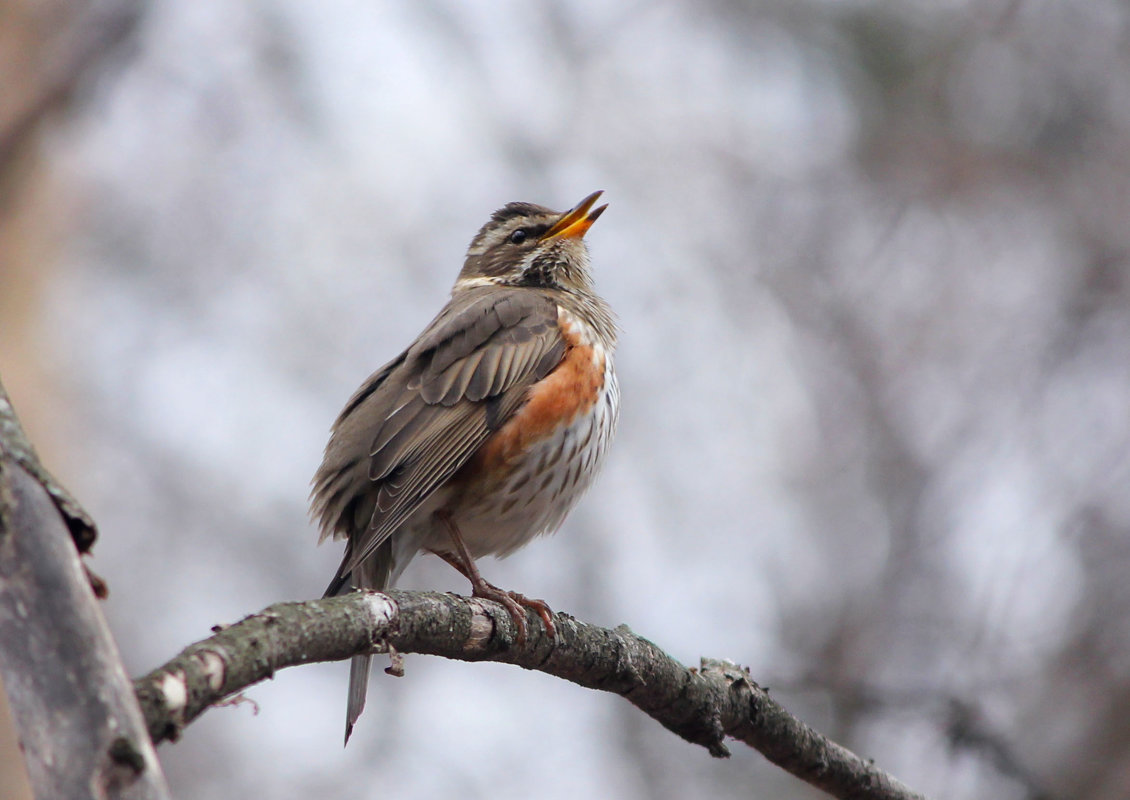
(529, 245)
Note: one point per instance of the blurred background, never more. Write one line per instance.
(871, 264)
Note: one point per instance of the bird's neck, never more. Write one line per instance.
(588, 306)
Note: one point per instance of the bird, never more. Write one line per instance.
(486, 430)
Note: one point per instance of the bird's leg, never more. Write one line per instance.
(514, 601)
(453, 561)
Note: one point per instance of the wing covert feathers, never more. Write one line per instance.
(419, 418)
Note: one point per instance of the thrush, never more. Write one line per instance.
(484, 432)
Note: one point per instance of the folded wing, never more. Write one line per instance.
(419, 418)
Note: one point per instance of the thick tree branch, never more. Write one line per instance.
(703, 705)
(14, 444)
(75, 712)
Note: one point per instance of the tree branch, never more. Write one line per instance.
(42, 73)
(79, 727)
(703, 705)
(14, 444)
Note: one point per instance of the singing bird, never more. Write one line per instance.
(486, 430)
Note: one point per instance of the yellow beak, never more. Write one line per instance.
(575, 222)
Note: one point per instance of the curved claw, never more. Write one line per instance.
(542, 609)
(517, 603)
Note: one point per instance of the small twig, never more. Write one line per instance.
(240, 700)
(396, 663)
(703, 706)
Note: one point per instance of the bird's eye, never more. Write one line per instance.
(518, 236)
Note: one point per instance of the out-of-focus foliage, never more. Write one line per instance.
(870, 261)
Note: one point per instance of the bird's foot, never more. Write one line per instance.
(516, 604)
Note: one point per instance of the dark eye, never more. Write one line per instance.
(518, 236)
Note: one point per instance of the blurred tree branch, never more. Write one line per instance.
(962, 721)
(49, 49)
(703, 705)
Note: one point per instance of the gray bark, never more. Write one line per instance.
(703, 706)
(76, 715)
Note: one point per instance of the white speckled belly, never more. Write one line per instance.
(535, 497)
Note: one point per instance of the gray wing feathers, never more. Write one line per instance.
(416, 421)
(468, 348)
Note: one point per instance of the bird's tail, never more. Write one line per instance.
(359, 668)
(373, 573)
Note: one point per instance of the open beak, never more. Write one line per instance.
(577, 220)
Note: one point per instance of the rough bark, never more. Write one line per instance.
(76, 715)
(704, 705)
